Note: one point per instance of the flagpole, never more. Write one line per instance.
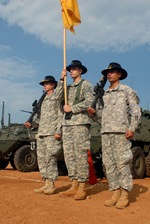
(65, 77)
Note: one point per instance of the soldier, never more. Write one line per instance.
(49, 135)
(120, 118)
(76, 138)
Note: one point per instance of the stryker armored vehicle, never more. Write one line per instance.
(17, 146)
(140, 165)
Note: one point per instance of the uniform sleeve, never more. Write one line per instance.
(59, 91)
(87, 98)
(60, 118)
(134, 110)
(59, 96)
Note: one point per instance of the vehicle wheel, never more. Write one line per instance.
(138, 163)
(3, 164)
(147, 163)
(25, 159)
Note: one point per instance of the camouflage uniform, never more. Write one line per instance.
(76, 137)
(48, 147)
(120, 113)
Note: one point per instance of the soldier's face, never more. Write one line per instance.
(113, 75)
(75, 72)
(48, 86)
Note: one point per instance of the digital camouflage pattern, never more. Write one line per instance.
(80, 115)
(48, 149)
(49, 123)
(116, 150)
(51, 114)
(76, 139)
(121, 112)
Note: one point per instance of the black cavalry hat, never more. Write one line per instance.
(77, 63)
(48, 78)
(115, 66)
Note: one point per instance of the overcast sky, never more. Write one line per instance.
(31, 46)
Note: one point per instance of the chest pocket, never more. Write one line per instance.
(115, 98)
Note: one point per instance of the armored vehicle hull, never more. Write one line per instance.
(18, 146)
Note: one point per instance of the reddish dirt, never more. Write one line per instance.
(19, 204)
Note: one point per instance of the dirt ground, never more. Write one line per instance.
(19, 204)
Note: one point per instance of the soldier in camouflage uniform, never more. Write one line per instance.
(120, 118)
(49, 135)
(76, 137)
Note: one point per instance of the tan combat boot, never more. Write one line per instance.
(81, 193)
(50, 189)
(123, 200)
(114, 198)
(71, 191)
(41, 190)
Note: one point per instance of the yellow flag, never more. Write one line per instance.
(70, 14)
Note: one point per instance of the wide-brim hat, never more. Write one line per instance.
(77, 63)
(115, 66)
(48, 78)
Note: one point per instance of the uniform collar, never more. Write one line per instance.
(75, 83)
(114, 89)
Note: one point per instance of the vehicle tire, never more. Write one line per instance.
(3, 164)
(138, 163)
(25, 159)
(147, 163)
